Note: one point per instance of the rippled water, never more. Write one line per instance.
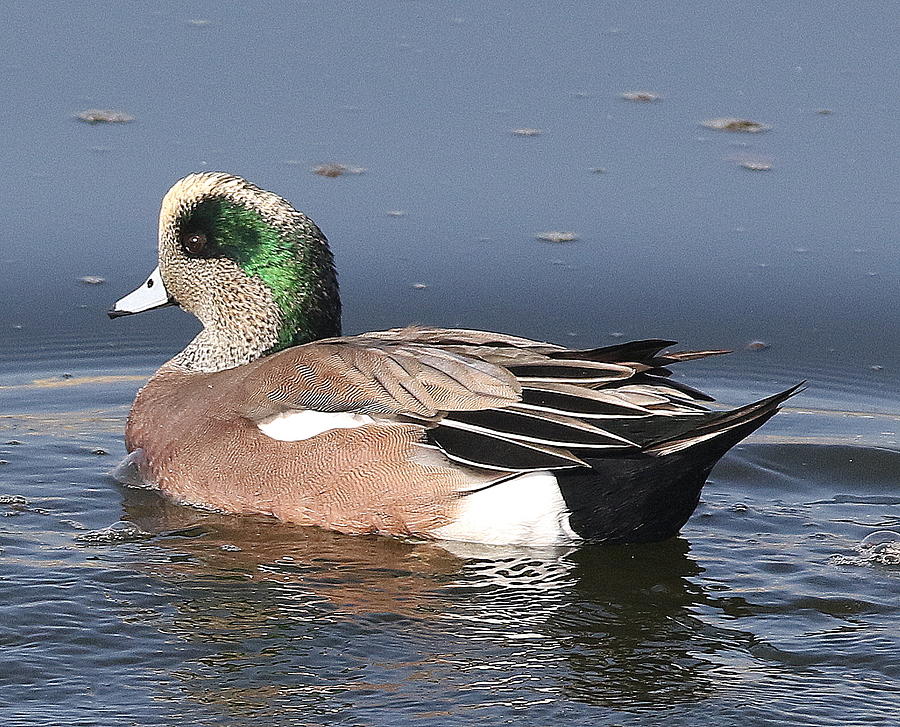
(779, 602)
(766, 609)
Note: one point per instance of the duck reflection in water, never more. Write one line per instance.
(617, 626)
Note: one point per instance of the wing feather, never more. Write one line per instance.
(368, 376)
(489, 400)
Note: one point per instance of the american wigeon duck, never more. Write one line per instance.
(433, 433)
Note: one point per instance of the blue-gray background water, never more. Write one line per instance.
(772, 607)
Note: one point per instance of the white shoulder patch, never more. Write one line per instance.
(292, 426)
(525, 510)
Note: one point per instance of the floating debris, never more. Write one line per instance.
(756, 165)
(420, 286)
(731, 124)
(876, 367)
(104, 116)
(336, 170)
(92, 280)
(119, 532)
(598, 170)
(757, 346)
(556, 236)
(396, 213)
(824, 112)
(200, 22)
(640, 96)
(525, 131)
(229, 548)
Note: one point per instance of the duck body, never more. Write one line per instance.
(433, 433)
(202, 443)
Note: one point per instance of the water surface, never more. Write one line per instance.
(119, 609)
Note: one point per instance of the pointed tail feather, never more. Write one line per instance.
(649, 496)
(756, 413)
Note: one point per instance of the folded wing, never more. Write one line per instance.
(489, 400)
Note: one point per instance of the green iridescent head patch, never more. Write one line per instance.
(292, 260)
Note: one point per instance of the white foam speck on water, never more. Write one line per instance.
(879, 548)
(118, 532)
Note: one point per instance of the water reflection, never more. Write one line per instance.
(621, 622)
(635, 625)
(315, 614)
(299, 564)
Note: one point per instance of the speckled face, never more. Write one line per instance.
(244, 260)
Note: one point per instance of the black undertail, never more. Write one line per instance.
(649, 495)
(644, 498)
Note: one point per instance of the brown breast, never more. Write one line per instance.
(374, 478)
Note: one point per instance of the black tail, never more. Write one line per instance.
(648, 496)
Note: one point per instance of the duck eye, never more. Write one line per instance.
(193, 242)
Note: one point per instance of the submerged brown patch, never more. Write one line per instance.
(336, 170)
(640, 96)
(739, 125)
(557, 236)
(104, 116)
(55, 383)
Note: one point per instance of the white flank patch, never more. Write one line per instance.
(292, 426)
(525, 510)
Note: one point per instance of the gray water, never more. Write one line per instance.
(779, 602)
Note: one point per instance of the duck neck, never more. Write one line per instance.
(226, 342)
(216, 350)
(256, 324)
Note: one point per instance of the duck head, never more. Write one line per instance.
(256, 272)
